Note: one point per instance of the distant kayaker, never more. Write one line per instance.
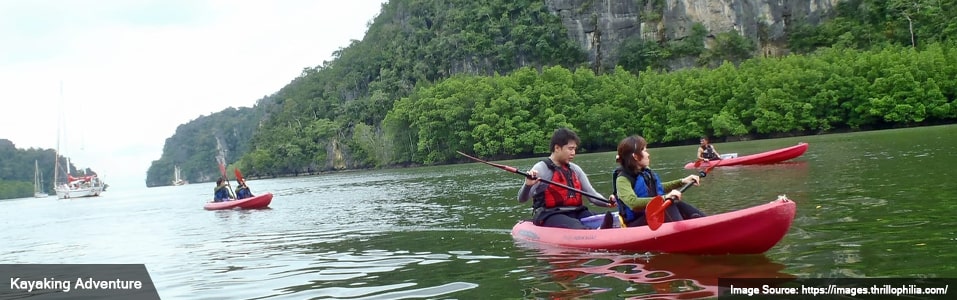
(636, 185)
(242, 191)
(221, 192)
(707, 152)
(555, 206)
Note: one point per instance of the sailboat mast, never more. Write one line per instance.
(36, 177)
(59, 125)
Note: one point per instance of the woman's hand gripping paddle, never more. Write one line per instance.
(517, 171)
(655, 211)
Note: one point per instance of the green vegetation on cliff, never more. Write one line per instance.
(196, 144)
(494, 78)
(835, 88)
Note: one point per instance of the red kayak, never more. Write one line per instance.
(769, 157)
(751, 230)
(260, 201)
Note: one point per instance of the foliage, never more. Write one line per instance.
(692, 45)
(496, 77)
(637, 54)
(513, 114)
(727, 46)
(18, 166)
(863, 24)
(411, 44)
(195, 145)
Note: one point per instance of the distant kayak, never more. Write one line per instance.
(769, 157)
(260, 201)
(751, 230)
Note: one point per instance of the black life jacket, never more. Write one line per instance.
(709, 152)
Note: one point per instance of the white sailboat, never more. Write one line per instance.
(177, 177)
(74, 187)
(38, 182)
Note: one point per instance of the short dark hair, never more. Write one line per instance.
(562, 136)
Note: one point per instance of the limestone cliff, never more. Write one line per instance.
(600, 26)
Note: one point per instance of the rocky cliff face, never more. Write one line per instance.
(600, 26)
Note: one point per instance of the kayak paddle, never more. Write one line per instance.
(655, 211)
(222, 170)
(517, 171)
(239, 176)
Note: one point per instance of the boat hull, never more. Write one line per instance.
(260, 201)
(751, 230)
(769, 157)
(67, 193)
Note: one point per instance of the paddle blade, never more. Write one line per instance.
(222, 165)
(222, 170)
(655, 212)
(239, 175)
(697, 163)
(708, 170)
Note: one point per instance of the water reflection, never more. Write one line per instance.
(572, 273)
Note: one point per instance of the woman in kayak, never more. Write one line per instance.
(221, 192)
(556, 206)
(242, 191)
(635, 185)
(707, 152)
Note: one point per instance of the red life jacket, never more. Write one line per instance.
(555, 196)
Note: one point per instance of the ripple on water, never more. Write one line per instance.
(564, 273)
(324, 262)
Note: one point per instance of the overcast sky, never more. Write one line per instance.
(131, 71)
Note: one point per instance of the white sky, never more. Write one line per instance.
(134, 70)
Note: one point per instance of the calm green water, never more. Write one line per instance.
(870, 204)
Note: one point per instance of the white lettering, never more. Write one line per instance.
(937, 291)
(744, 291)
(45, 284)
(115, 284)
(776, 291)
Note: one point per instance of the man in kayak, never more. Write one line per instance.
(221, 192)
(707, 152)
(555, 206)
(635, 185)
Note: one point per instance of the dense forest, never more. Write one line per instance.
(18, 166)
(834, 88)
(494, 77)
